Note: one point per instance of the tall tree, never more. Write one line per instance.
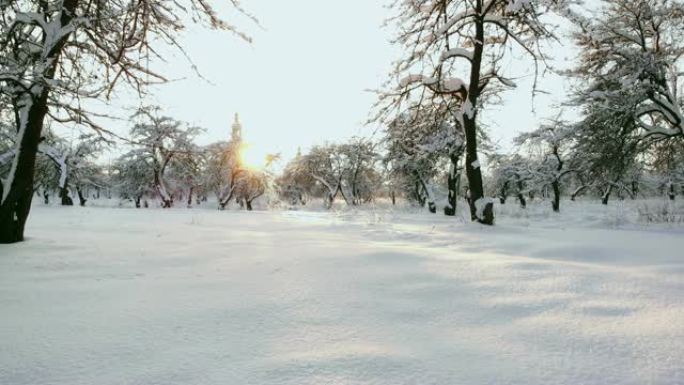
(444, 38)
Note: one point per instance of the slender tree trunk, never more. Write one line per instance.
(137, 201)
(46, 197)
(556, 196)
(635, 189)
(190, 196)
(453, 186)
(521, 196)
(432, 207)
(81, 198)
(503, 195)
(672, 193)
(473, 170)
(578, 191)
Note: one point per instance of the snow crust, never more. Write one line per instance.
(122, 296)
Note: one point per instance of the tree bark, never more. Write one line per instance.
(473, 170)
(556, 196)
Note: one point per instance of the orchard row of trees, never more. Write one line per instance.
(55, 56)
(419, 163)
(164, 162)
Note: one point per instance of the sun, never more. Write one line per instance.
(251, 157)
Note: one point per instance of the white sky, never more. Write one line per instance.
(304, 79)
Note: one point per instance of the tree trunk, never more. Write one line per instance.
(46, 197)
(473, 170)
(16, 201)
(432, 207)
(671, 194)
(606, 195)
(556, 196)
(523, 202)
(164, 196)
(453, 186)
(137, 201)
(521, 196)
(248, 204)
(81, 198)
(394, 197)
(64, 194)
(16, 197)
(503, 195)
(190, 197)
(578, 191)
(635, 189)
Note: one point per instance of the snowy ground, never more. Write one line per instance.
(111, 296)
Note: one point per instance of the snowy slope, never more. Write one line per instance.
(121, 296)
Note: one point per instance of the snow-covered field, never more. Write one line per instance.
(111, 296)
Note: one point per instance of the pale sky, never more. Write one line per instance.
(304, 78)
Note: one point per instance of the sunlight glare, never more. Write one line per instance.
(252, 158)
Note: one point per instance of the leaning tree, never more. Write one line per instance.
(55, 54)
(442, 39)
